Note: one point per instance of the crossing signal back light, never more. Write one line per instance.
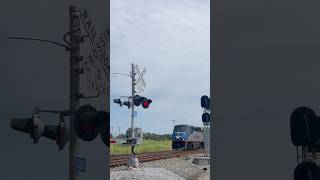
(205, 102)
(304, 127)
(89, 123)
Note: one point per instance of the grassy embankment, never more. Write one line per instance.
(146, 146)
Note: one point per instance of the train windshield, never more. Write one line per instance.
(181, 128)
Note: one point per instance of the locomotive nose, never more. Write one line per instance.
(179, 136)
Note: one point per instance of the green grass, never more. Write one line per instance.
(146, 146)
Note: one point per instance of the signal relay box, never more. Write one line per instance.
(138, 136)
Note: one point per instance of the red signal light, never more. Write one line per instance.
(146, 103)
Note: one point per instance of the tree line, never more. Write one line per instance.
(151, 136)
(156, 137)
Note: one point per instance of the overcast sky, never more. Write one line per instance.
(171, 39)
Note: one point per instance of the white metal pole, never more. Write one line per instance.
(74, 86)
(132, 94)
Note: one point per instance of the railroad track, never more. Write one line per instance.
(122, 159)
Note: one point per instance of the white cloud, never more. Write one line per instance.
(172, 40)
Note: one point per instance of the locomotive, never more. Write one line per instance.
(187, 137)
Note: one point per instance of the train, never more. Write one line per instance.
(187, 137)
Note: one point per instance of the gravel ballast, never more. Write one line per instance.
(145, 173)
(166, 169)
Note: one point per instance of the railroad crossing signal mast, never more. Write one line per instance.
(134, 100)
(85, 122)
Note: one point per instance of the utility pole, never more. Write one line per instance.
(75, 36)
(119, 128)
